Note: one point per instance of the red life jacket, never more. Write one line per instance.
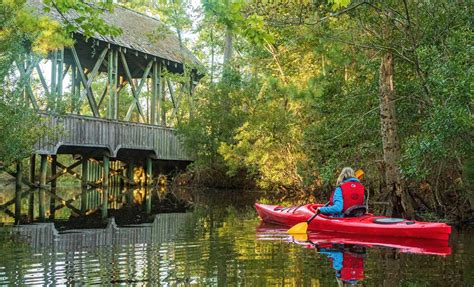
(352, 194)
(352, 267)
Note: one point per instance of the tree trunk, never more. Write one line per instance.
(228, 51)
(391, 146)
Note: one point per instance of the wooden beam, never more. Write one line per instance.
(135, 92)
(163, 100)
(42, 80)
(76, 175)
(94, 72)
(90, 96)
(43, 169)
(52, 200)
(105, 187)
(25, 84)
(116, 84)
(31, 199)
(110, 83)
(54, 65)
(63, 201)
(8, 212)
(102, 97)
(19, 170)
(12, 201)
(149, 183)
(60, 79)
(73, 90)
(66, 70)
(156, 76)
(65, 170)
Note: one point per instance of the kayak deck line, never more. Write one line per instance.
(354, 225)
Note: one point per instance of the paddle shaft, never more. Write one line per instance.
(316, 214)
(312, 217)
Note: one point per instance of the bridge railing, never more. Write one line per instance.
(114, 135)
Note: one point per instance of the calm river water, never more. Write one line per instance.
(222, 243)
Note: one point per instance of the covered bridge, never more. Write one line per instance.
(109, 99)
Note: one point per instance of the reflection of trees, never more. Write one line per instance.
(217, 246)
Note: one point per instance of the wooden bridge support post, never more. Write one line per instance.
(31, 199)
(131, 182)
(111, 74)
(156, 91)
(149, 184)
(54, 67)
(43, 170)
(105, 187)
(52, 199)
(84, 182)
(18, 192)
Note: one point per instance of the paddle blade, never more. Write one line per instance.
(299, 228)
(300, 237)
(359, 173)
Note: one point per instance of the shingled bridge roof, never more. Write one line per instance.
(140, 32)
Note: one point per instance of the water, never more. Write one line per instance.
(220, 244)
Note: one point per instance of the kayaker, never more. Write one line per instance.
(349, 192)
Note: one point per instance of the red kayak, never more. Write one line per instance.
(367, 224)
(405, 245)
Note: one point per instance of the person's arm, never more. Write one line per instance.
(337, 257)
(338, 203)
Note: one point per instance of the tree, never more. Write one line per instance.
(22, 32)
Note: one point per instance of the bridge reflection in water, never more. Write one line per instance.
(44, 235)
(80, 256)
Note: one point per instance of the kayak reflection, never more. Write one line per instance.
(347, 252)
(267, 231)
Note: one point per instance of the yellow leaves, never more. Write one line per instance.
(337, 4)
(50, 37)
(42, 33)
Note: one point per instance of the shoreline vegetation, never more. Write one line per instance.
(293, 92)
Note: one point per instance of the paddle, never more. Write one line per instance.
(302, 227)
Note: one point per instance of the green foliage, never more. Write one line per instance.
(23, 32)
(306, 101)
(89, 20)
(24, 128)
(446, 132)
(217, 115)
(232, 15)
(267, 144)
